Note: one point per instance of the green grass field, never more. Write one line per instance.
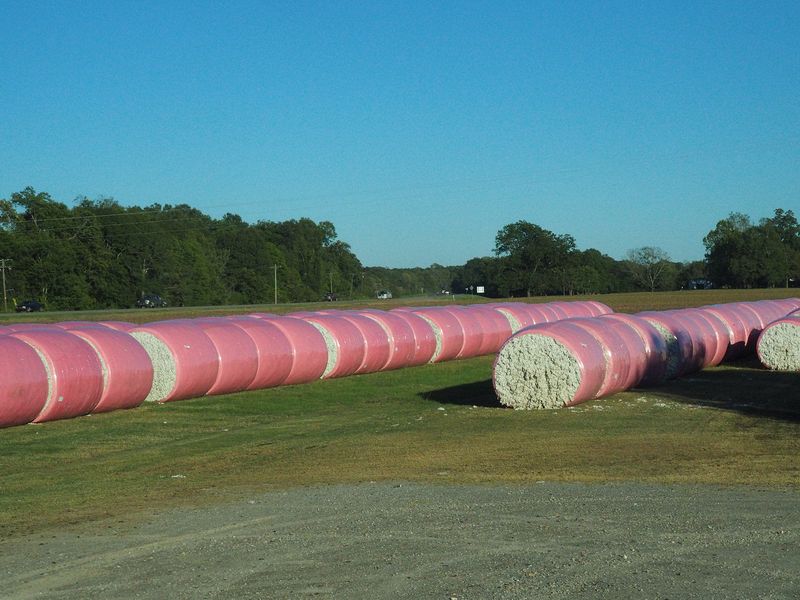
(735, 424)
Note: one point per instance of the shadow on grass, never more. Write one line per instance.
(479, 393)
(743, 386)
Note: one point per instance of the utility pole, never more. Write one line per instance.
(275, 281)
(3, 267)
(331, 275)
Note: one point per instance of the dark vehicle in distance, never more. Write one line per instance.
(29, 306)
(151, 301)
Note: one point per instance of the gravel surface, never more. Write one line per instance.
(547, 540)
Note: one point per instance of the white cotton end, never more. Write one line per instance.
(674, 359)
(512, 320)
(164, 370)
(331, 345)
(779, 347)
(536, 371)
(437, 335)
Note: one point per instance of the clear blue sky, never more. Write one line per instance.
(418, 128)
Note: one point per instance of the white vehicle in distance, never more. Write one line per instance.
(384, 295)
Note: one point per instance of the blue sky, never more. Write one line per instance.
(419, 129)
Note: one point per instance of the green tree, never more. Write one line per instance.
(530, 254)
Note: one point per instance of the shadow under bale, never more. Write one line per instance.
(743, 387)
(479, 393)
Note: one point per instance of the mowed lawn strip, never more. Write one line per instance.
(624, 302)
(436, 423)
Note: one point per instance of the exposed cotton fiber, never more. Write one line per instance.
(185, 361)
(549, 366)
(779, 344)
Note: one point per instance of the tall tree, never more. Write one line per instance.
(530, 253)
(649, 265)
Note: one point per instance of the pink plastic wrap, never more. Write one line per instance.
(753, 323)
(738, 331)
(720, 333)
(680, 354)
(473, 328)
(655, 348)
(236, 352)
(616, 354)
(127, 370)
(496, 331)
(400, 335)
(308, 350)
(769, 310)
(194, 356)
(23, 387)
(449, 330)
(74, 372)
(598, 308)
(424, 337)
(377, 350)
(638, 359)
(520, 313)
(345, 343)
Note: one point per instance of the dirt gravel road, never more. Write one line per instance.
(548, 540)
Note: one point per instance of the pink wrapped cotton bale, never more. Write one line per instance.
(472, 328)
(308, 350)
(236, 353)
(74, 372)
(753, 323)
(274, 353)
(720, 340)
(598, 308)
(345, 343)
(704, 339)
(447, 331)
(655, 347)
(127, 370)
(549, 366)
(24, 386)
(778, 346)
(425, 341)
(738, 330)
(517, 315)
(496, 328)
(376, 341)
(185, 361)
(402, 343)
(618, 356)
(679, 342)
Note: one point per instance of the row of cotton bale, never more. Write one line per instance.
(571, 361)
(778, 345)
(68, 369)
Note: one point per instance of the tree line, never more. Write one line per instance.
(100, 254)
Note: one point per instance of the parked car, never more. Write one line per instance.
(384, 295)
(330, 297)
(151, 301)
(29, 306)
